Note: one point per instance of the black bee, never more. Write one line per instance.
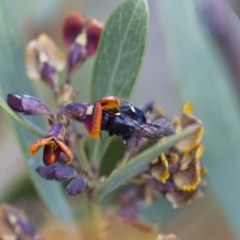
(131, 121)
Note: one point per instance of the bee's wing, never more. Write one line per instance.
(165, 125)
(158, 129)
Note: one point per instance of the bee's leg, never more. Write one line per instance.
(126, 140)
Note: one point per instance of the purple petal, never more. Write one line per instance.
(57, 131)
(76, 111)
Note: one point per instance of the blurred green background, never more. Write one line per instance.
(193, 54)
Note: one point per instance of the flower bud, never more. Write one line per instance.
(46, 171)
(56, 172)
(26, 104)
(73, 25)
(63, 173)
(76, 186)
(80, 37)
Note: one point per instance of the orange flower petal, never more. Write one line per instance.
(34, 147)
(110, 102)
(66, 150)
(93, 121)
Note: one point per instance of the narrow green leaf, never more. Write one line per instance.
(203, 77)
(13, 79)
(136, 164)
(120, 55)
(121, 50)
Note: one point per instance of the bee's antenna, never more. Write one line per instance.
(129, 104)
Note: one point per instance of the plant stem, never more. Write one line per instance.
(95, 153)
(82, 155)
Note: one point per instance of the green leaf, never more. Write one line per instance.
(202, 76)
(119, 57)
(13, 79)
(121, 50)
(136, 164)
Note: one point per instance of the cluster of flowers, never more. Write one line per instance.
(176, 174)
(44, 61)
